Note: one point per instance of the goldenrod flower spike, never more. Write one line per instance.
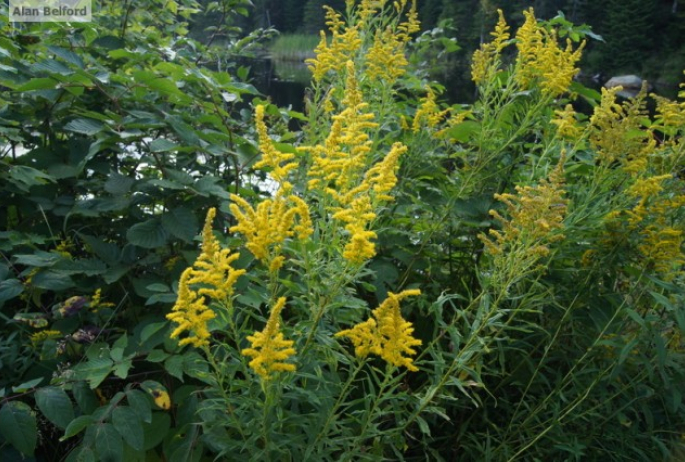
(269, 348)
(272, 157)
(213, 266)
(214, 272)
(389, 335)
(191, 314)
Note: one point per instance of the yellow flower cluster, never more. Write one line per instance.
(536, 215)
(389, 335)
(279, 162)
(616, 132)
(644, 188)
(267, 227)
(269, 348)
(384, 55)
(213, 272)
(566, 123)
(339, 163)
(662, 247)
(485, 61)
(428, 113)
(541, 61)
(344, 43)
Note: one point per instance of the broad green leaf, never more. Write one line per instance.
(25, 177)
(39, 258)
(162, 145)
(26, 385)
(18, 426)
(54, 403)
(181, 223)
(151, 329)
(148, 234)
(174, 366)
(95, 371)
(127, 422)
(155, 431)
(87, 127)
(66, 55)
(82, 454)
(41, 83)
(140, 403)
(157, 356)
(52, 280)
(76, 426)
(118, 184)
(87, 266)
(10, 288)
(85, 397)
(108, 443)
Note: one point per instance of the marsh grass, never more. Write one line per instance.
(293, 47)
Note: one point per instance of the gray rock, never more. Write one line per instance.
(628, 82)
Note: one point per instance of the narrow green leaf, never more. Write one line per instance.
(18, 426)
(55, 404)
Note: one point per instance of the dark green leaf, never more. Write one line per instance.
(162, 145)
(140, 403)
(85, 397)
(77, 425)
(118, 184)
(87, 127)
(127, 422)
(148, 234)
(9, 289)
(41, 83)
(54, 403)
(52, 280)
(155, 431)
(181, 223)
(18, 426)
(174, 366)
(108, 443)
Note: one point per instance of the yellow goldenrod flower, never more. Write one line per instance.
(662, 247)
(535, 220)
(429, 112)
(389, 335)
(272, 157)
(541, 61)
(567, 126)
(485, 61)
(344, 43)
(213, 267)
(616, 132)
(269, 348)
(267, 227)
(191, 314)
(213, 272)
